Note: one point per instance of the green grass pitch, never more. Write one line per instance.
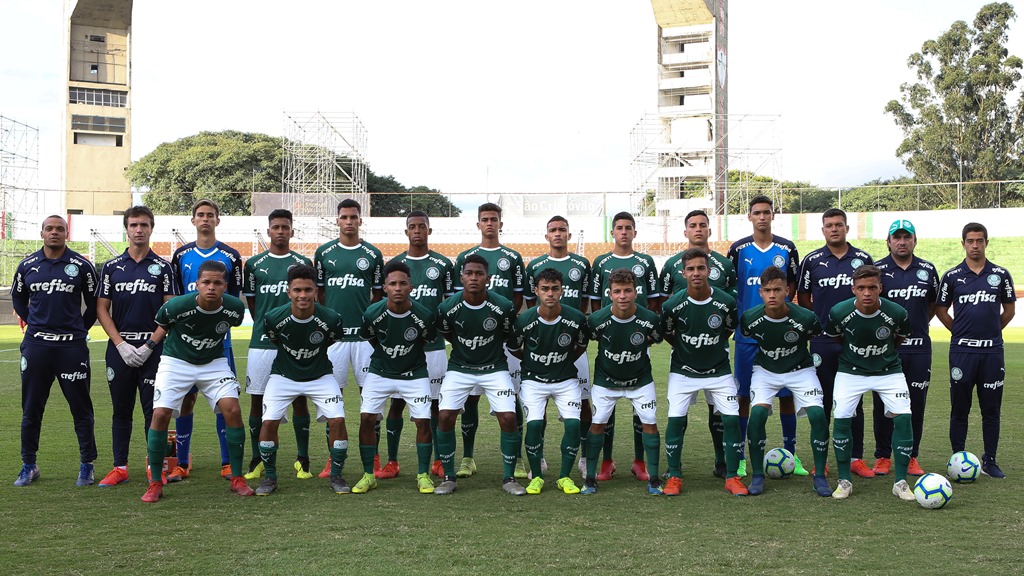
(199, 527)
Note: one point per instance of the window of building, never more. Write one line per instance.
(98, 123)
(97, 38)
(95, 97)
(106, 140)
(94, 69)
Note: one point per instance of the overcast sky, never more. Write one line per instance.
(471, 96)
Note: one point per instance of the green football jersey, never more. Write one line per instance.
(196, 335)
(348, 275)
(265, 283)
(699, 332)
(302, 344)
(721, 274)
(478, 333)
(643, 268)
(505, 265)
(869, 342)
(431, 283)
(781, 342)
(575, 277)
(549, 348)
(400, 339)
(622, 347)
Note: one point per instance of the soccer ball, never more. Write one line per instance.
(779, 463)
(933, 491)
(963, 467)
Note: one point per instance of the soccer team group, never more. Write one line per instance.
(816, 333)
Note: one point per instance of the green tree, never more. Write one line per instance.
(226, 166)
(221, 166)
(957, 123)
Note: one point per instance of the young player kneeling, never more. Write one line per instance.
(782, 332)
(870, 329)
(302, 331)
(195, 326)
(399, 329)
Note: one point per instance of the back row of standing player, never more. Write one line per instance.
(349, 272)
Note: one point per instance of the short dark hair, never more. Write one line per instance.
(475, 259)
(974, 227)
(624, 216)
(417, 214)
(550, 275)
(488, 207)
(686, 221)
(622, 276)
(301, 272)
(58, 216)
(205, 202)
(867, 271)
(771, 274)
(213, 266)
(350, 203)
(396, 266)
(760, 199)
(136, 212)
(690, 254)
(280, 213)
(558, 218)
(832, 213)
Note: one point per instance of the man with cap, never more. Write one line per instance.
(914, 284)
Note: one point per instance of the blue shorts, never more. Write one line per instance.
(744, 369)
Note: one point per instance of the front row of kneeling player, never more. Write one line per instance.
(548, 339)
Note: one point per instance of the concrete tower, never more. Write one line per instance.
(97, 124)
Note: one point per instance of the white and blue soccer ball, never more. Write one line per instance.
(933, 491)
(779, 463)
(963, 467)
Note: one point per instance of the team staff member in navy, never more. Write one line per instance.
(132, 288)
(48, 291)
(914, 284)
(826, 278)
(982, 297)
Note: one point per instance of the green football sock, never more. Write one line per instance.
(156, 444)
(470, 422)
(638, 438)
(394, 429)
(519, 427)
(236, 447)
(594, 444)
(609, 436)
(339, 453)
(819, 438)
(841, 444)
(570, 446)
(510, 444)
(535, 444)
(423, 451)
(446, 451)
(733, 444)
(716, 429)
(366, 454)
(255, 425)
(433, 436)
(902, 445)
(268, 452)
(674, 433)
(758, 437)
(301, 426)
(652, 447)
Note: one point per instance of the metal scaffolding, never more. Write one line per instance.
(19, 193)
(324, 162)
(664, 170)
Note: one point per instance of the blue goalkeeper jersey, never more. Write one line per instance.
(186, 261)
(750, 261)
